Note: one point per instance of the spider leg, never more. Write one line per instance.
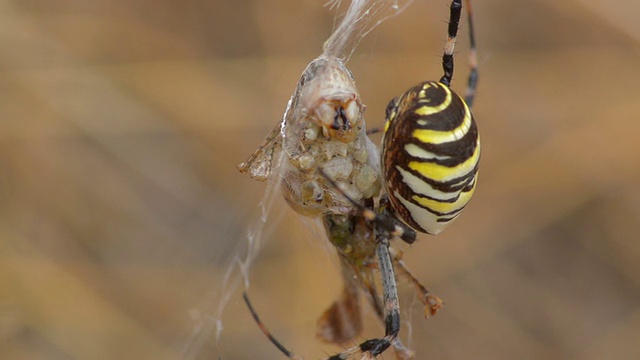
(472, 83)
(266, 331)
(402, 352)
(374, 347)
(391, 304)
(375, 130)
(431, 302)
(450, 44)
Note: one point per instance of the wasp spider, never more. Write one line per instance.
(429, 163)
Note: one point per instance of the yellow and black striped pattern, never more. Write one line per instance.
(430, 155)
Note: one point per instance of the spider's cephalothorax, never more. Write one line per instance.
(430, 156)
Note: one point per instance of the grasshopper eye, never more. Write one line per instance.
(325, 114)
(353, 114)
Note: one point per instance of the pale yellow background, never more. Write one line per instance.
(121, 123)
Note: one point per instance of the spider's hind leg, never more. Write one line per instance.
(472, 82)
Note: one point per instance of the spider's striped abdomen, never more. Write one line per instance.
(430, 154)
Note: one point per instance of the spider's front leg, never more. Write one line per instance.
(390, 296)
(374, 347)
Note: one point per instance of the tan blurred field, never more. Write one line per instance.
(121, 124)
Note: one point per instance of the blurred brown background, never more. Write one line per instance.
(122, 123)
